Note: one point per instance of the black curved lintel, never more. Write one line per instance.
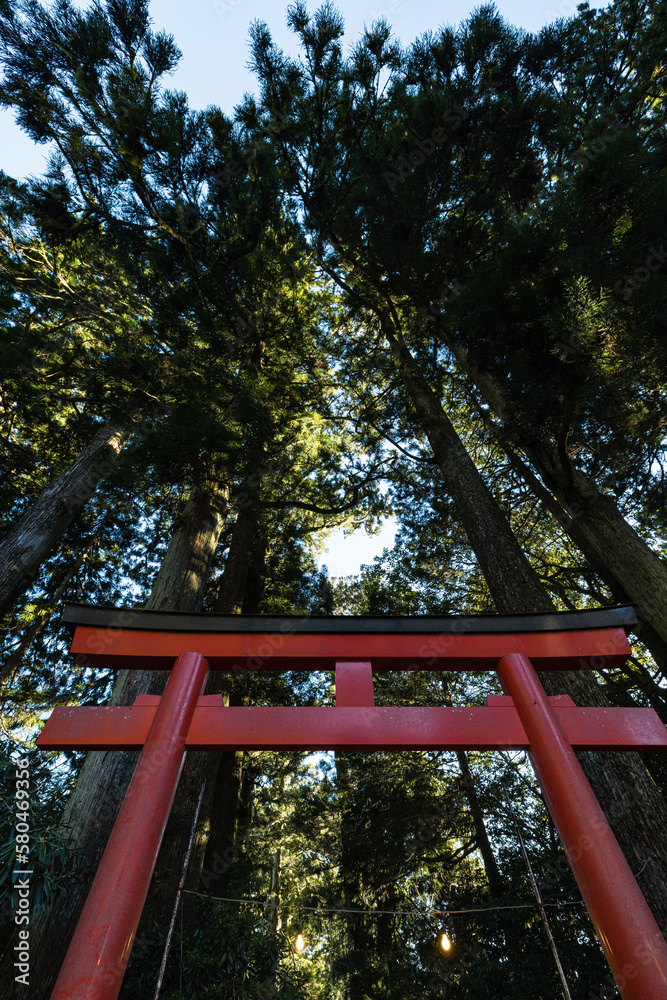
(167, 621)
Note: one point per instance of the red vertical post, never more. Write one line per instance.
(630, 937)
(100, 948)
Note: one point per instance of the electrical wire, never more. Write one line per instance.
(179, 891)
(653, 857)
(538, 899)
(393, 913)
(402, 913)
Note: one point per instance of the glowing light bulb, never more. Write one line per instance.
(299, 944)
(445, 942)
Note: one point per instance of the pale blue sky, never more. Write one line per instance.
(213, 37)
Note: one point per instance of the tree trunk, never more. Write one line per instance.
(246, 802)
(234, 593)
(576, 521)
(274, 915)
(385, 927)
(225, 813)
(30, 541)
(225, 809)
(630, 568)
(513, 582)
(631, 800)
(101, 785)
(275, 922)
(358, 943)
(209, 868)
(225, 804)
(15, 660)
(256, 577)
(235, 574)
(481, 836)
(632, 803)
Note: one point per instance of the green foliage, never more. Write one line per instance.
(225, 288)
(48, 787)
(226, 956)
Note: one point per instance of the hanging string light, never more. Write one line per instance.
(444, 940)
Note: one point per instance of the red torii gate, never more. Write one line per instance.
(524, 718)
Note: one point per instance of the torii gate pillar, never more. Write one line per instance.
(100, 949)
(628, 933)
(525, 718)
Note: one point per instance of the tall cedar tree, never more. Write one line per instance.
(218, 299)
(336, 147)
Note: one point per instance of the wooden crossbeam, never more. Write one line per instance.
(213, 727)
(164, 727)
(118, 648)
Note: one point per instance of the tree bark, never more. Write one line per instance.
(238, 588)
(629, 563)
(93, 805)
(235, 574)
(16, 658)
(274, 915)
(603, 566)
(481, 836)
(209, 869)
(225, 813)
(30, 541)
(358, 944)
(630, 568)
(631, 800)
(246, 802)
(513, 582)
(632, 803)
(274, 893)
(225, 806)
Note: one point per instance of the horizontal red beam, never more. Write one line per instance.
(590, 648)
(489, 728)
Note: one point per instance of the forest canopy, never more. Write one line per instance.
(424, 282)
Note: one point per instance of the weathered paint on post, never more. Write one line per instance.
(631, 939)
(100, 948)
